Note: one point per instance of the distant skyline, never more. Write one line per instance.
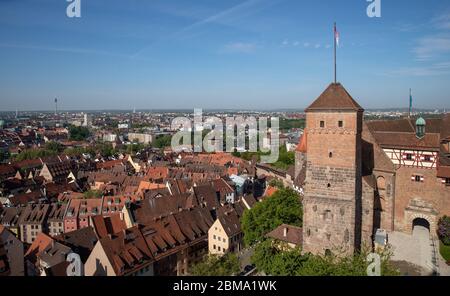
(234, 54)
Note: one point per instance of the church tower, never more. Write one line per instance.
(332, 203)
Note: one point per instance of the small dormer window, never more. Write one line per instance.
(420, 127)
(341, 123)
(322, 124)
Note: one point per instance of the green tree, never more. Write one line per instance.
(93, 194)
(355, 265)
(285, 159)
(105, 149)
(78, 133)
(276, 183)
(163, 141)
(33, 154)
(214, 265)
(269, 259)
(283, 207)
(287, 124)
(290, 262)
(53, 146)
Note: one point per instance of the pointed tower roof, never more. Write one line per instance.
(301, 147)
(335, 97)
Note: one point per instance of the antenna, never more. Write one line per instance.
(56, 106)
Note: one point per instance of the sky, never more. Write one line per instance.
(214, 54)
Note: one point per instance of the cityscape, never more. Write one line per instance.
(117, 175)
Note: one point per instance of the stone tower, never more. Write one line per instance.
(332, 202)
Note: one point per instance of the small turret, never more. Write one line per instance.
(420, 127)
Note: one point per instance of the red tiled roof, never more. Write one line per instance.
(41, 242)
(335, 97)
(287, 233)
(270, 191)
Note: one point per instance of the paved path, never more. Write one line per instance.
(415, 249)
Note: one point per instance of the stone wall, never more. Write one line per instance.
(333, 203)
(430, 197)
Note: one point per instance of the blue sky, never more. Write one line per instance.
(156, 54)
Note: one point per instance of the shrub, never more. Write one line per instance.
(444, 230)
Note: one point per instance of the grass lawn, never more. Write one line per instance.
(445, 251)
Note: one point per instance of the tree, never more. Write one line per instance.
(214, 265)
(290, 262)
(163, 141)
(285, 159)
(105, 149)
(79, 133)
(355, 265)
(276, 183)
(33, 154)
(269, 259)
(53, 146)
(93, 194)
(283, 207)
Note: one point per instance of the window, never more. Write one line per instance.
(214, 247)
(341, 123)
(330, 155)
(417, 178)
(223, 240)
(218, 248)
(322, 123)
(214, 236)
(409, 156)
(447, 181)
(427, 158)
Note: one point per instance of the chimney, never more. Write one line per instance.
(285, 231)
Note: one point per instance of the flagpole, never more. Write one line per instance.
(410, 102)
(335, 62)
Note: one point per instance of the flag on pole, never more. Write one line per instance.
(336, 35)
(410, 102)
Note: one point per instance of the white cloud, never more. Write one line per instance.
(240, 47)
(317, 46)
(436, 69)
(442, 21)
(431, 47)
(306, 44)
